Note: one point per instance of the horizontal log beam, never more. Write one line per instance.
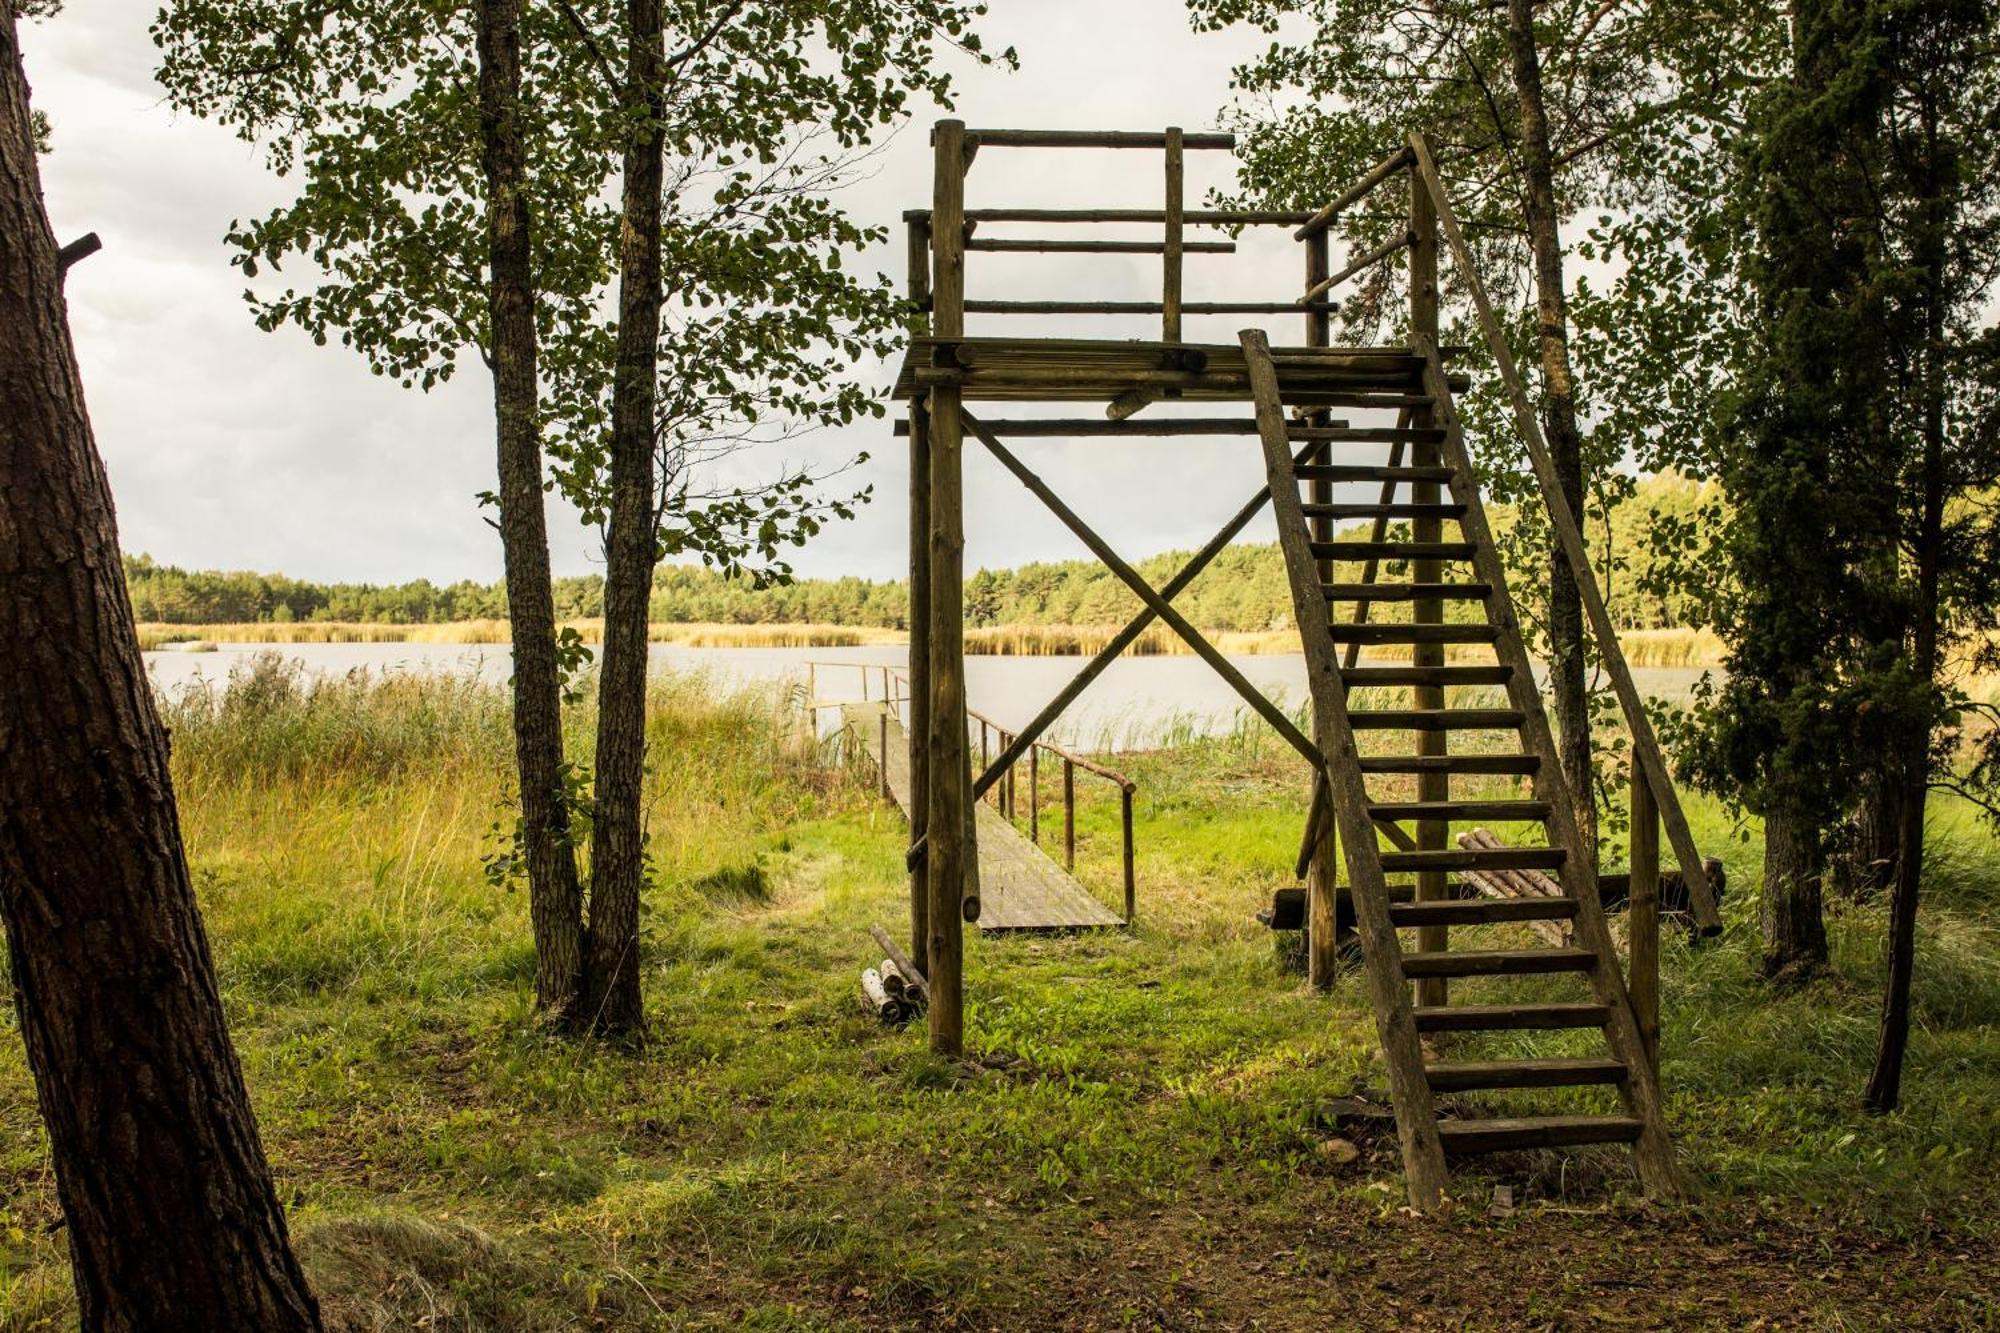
(1093, 139)
(1036, 246)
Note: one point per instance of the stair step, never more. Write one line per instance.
(1380, 634)
(1406, 592)
(1339, 511)
(1467, 1075)
(1450, 763)
(1475, 858)
(1434, 719)
(1465, 1137)
(1471, 810)
(1360, 472)
(1481, 911)
(1369, 434)
(1404, 673)
(1508, 1017)
(1497, 962)
(1352, 551)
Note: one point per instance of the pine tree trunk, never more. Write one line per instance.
(173, 1222)
(1568, 672)
(616, 1006)
(555, 898)
(1794, 928)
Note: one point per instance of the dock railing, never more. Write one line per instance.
(996, 782)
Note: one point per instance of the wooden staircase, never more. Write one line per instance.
(1407, 945)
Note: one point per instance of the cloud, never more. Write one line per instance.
(235, 448)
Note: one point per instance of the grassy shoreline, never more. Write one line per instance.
(1643, 648)
(1136, 1139)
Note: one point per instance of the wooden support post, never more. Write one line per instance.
(920, 611)
(882, 754)
(1323, 875)
(1432, 834)
(1643, 925)
(1131, 885)
(1034, 794)
(1069, 816)
(1170, 299)
(952, 854)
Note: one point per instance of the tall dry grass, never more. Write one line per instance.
(153, 636)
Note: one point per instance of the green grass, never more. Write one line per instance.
(1137, 1138)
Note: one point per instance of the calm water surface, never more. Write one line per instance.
(1132, 704)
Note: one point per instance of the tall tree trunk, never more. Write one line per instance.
(555, 897)
(1885, 1081)
(1568, 673)
(173, 1222)
(616, 1005)
(1794, 928)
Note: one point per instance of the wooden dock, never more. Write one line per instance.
(1020, 886)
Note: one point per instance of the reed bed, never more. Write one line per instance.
(155, 637)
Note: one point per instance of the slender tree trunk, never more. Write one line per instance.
(1885, 1082)
(616, 1005)
(1794, 928)
(1568, 673)
(173, 1222)
(555, 898)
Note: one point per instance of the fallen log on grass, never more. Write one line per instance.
(886, 1007)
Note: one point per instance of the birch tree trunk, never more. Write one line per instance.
(173, 1222)
(616, 1006)
(555, 897)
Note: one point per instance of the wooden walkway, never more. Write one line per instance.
(1020, 886)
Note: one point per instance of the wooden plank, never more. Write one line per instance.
(1435, 719)
(1644, 744)
(1465, 1137)
(1481, 911)
(1195, 217)
(1094, 139)
(1516, 764)
(1406, 592)
(1039, 246)
(1461, 858)
(1021, 888)
(1652, 1153)
(1416, 1117)
(1498, 962)
(1509, 1017)
(1469, 1075)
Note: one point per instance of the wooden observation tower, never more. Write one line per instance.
(1296, 410)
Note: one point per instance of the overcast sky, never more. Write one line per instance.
(237, 449)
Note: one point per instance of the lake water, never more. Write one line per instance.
(1135, 701)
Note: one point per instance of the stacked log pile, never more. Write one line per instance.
(893, 990)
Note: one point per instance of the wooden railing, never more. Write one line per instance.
(997, 782)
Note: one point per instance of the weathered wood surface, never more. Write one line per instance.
(1021, 887)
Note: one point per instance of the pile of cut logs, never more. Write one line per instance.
(893, 990)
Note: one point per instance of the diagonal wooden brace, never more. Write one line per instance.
(1159, 606)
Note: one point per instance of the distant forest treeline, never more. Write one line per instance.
(1244, 589)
